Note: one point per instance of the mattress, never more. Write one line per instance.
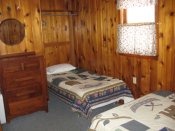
(153, 112)
(83, 89)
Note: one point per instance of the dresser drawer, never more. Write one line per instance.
(29, 91)
(21, 80)
(14, 66)
(26, 106)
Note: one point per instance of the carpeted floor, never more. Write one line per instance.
(59, 118)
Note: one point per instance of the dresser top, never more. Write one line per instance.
(25, 54)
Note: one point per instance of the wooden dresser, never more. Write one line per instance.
(23, 83)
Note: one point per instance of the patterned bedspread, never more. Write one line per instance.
(153, 112)
(82, 89)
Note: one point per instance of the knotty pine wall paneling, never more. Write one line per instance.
(57, 31)
(96, 43)
(173, 12)
(95, 35)
(166, 59)
(26, 11)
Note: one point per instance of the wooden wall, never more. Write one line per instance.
(27, 12)
(89, 40)
(95, 46)
(49, 35)
(57, 33)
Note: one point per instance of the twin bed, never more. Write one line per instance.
(152, 112)
(84, 90)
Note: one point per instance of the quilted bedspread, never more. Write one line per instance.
(83, 89)
(153, 112)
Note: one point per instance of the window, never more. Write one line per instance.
(137, 28)
(141, 14)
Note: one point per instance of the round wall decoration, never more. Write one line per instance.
(12, 31)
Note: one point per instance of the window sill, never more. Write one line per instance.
(139, 56)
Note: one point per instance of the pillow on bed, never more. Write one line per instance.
(59, 68)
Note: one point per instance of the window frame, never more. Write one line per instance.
(122, 19)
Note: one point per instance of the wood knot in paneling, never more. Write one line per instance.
(168, 47)
(112, 23)
(31, 41)
(104, 39)
(27, 14)
(163, 4)
(161, 35)
(160, 84)
(172, 13)
(93, 49)
(8, 8)
(143, 76)
(38, 10)
(161, 62)
(65, 28)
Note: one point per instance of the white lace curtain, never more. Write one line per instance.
(124, 4)
(137, 39)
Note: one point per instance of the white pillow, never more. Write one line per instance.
(59, 68)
